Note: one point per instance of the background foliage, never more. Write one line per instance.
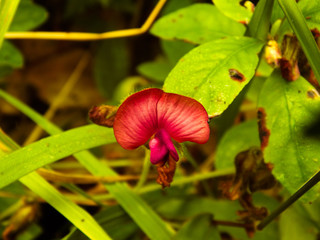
(253, 66)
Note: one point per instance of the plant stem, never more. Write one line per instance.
(145, 170)
(306, 187)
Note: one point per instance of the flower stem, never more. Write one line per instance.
(145, 170)
(306, 187)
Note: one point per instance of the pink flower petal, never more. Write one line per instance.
(161, 146)
(184, 118)
(136, 118)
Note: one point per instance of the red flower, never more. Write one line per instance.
(159, 116)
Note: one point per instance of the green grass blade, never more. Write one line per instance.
(75, 214)
(7, 11)
(134, 205)
(51, 149)
(79, 217)
(300, 28)
(259, 24)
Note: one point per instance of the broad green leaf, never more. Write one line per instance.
(234, 10)
(28, 16)
(110, 65)
(157, 70)
(215, 72)
(198, 23)
(293, 226)
(51, 149)
(287, 109)
(237, 139)
(200, 227)
(174, 5)
(311, 11)
(10, 56)
(174, 50)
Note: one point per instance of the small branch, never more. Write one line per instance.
(78, 36)
(306, 187)
(232, 224)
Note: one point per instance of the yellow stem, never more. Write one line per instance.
(78, 36)
(83, 178)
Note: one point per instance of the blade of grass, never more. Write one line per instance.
(259, 24)
(133, 204)
(300, 28)
(79, 217)
(7, 11)
(51, 149)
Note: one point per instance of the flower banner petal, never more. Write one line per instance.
(136, 119)
(184, 118)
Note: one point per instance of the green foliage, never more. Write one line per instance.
(110, 65)
(203, 51)
(51, 149)
(234, 10)
(237, 139)
(199, 227)
(10, 56)
(214, 73)
(28, 16)
(156, 71)
(289, 108)
(7, 11)
(198, 23)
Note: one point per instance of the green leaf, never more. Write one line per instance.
(237, 139)
(114, 220)
(7, 11)
(110, 65)
(75, 214)
(259, 24)
(198, 23)
(311, 11)
(51, 149)
(289, 108)
(128, 86)
(10, 56)
(296, 18)
(234, 10)
(200, 227)
(28, 16)
(189, 206)
(293, 226)
(157, 70)
(174, 5)
(175, 50)
(212, 72)
(79, 217)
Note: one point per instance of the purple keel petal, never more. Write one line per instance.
(184, 118)
(136, 118)
(161, 146)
